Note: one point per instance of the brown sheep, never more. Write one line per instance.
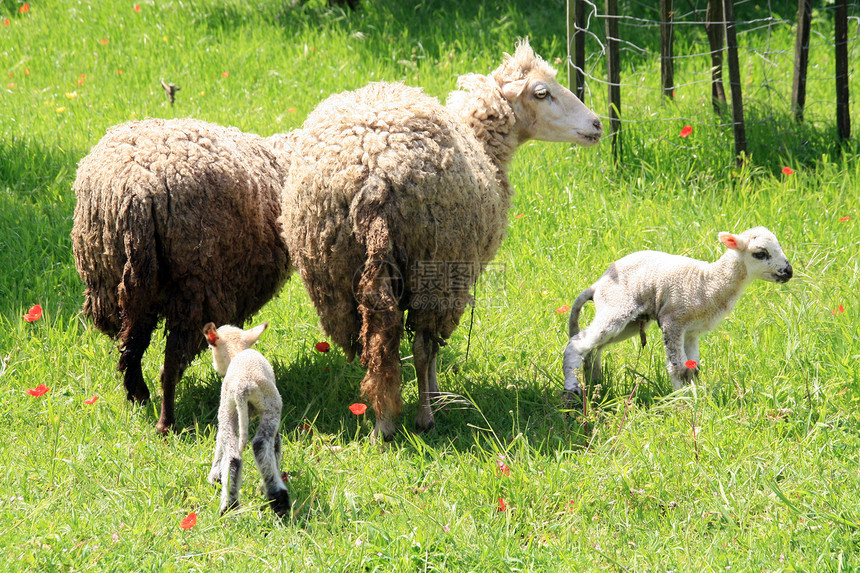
(176, 219)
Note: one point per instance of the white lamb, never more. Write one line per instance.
(248, 389)
(686, 297)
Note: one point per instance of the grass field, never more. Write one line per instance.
(755, 469)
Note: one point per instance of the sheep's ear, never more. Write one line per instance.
(211, 334)
(735, 242)
(251, 335)
(513, 90)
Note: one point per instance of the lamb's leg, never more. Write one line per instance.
(425, 350)
(231, 454)
(601, 332)
(236, 419)
(673, 340)
(135, 337)
(691, 349)
(265, 445)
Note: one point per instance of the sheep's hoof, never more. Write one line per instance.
(424, 425)
(215, 477)
(232, 506)
(280, 503)
(384, 429)
(572, 398)
(163, 428)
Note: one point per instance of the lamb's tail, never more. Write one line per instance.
(573, 321)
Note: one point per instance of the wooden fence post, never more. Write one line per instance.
(667, 64)
(843, 119)
(576, 47)
(801, 58)
(735, 81)
(613, 71)
(715, 28)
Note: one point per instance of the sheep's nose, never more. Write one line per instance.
(597, 125)
(786, 273)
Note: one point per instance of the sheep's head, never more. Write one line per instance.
(228, 341)
(545, 109)
(759, 249)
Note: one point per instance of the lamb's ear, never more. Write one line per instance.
(252, 335)
(513, 90)
(210, 333)
(735, 242)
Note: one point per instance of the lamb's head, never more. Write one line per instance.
(545, 109)
(228, 341)
(760, 252)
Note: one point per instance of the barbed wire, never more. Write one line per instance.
(766, 51)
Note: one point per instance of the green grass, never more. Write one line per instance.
(757, 469)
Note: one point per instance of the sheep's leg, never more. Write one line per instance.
(600, 333)
(135, 337)
(230, 466)
(673, 340)
(425, 350)
(691, 349)
(175, 361)
(266, 445)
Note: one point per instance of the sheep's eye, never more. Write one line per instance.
(761, 255)
(541, 93)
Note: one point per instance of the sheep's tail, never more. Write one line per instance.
(139, 284)
(381, 324)
(573, 321)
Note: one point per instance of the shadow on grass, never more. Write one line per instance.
(317, 390)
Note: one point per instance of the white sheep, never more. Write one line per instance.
(248, 389)
(686, 297)
(394, 205)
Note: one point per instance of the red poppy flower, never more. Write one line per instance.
(322, 346)
(291, 110)
(225, 74)
(34, 314)
(503, 469)
(687, 130)
(39, 390)
(10, 75)
(843, 219)
(104, 41)
(519, 215)
(137, 7)
(10, 85)
(358, 408)
(563, 309)
(502, 505)
(690, 364)
(306, 429)
(838, 310)
(189, 521)
(91, 401)
(119, 72)
(24, 9)
(787, 171)
(6, 22)
(27, 71)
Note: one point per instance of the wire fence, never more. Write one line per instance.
(620, 57)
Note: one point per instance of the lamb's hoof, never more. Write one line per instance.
(280, 503)
(214, 478)
(228, 508)
(572, 398)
